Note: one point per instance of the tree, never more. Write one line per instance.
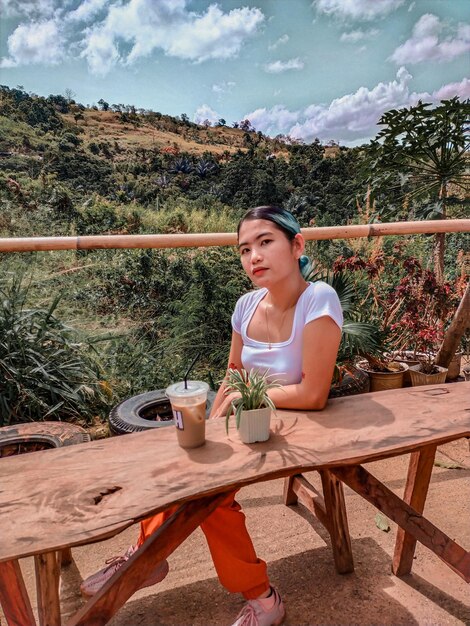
(424, 151)
(103, 104)
(222, 122)
(69, 95)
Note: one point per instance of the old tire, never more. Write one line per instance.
(34, 436)
(144, 411)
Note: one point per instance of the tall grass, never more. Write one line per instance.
(47, 372)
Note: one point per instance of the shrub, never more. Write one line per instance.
(47, 372)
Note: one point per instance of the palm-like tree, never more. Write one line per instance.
(423, 152)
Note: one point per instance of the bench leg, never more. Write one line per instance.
(416, 490)
(289, 497)
(65, 556)
(337, 522)
(330, 510)
(14, 597)
(47, 585)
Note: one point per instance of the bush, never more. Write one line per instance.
(47, 372)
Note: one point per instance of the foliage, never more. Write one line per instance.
(424, 152)
(426, 147)
(47, 372)
(253, 387)
(422, 308)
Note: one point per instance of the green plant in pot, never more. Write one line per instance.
(252, 409)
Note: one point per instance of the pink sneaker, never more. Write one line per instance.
(254, 613)
(93, 583)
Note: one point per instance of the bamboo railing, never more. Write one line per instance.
(200, 240)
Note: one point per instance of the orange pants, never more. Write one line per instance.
(230, 545)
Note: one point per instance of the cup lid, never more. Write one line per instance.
(194, 388)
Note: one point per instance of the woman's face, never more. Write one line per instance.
(267, 255)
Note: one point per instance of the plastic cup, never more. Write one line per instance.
(189, 411)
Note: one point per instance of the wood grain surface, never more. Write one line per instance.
(71, 496)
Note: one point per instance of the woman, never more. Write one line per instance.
(291, 328)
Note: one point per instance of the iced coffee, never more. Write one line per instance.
(188, 403)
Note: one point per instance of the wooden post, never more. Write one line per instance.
(47, 586)
(337, 522)
(416, 491)
(13, 595)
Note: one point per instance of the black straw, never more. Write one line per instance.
(189, 369)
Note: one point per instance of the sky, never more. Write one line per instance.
(309, 69)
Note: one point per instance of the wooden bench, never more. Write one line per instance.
(82, 494)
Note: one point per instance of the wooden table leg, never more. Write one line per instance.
(337, 522)
(47, 586)
(330, 510)
(112, 596)
(65, 556)
(289, 497)
(375, 492)
(14, 597)
(416, 490)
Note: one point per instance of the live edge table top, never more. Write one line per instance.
(79, 494)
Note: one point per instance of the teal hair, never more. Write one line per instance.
(286, 222)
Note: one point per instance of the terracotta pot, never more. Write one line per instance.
(254, 425)
(380, 381)
(419, 378)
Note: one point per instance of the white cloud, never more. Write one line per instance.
(37, 42)
(34, 9)
(87, 10)
(354, 36)
(214, 35)
(203, 113)
(223, 87)
(167, 25)
(357, 9)
(425, 44)
(280, 42)
(461, 90)
(272, 121)
(101, 52)
(126, 30)
(355, 114)
(276, 67)
(352, 118)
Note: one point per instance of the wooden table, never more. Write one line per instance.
(74, 496)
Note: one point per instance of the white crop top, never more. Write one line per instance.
(284, 360)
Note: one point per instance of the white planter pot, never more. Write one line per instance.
(254, 425)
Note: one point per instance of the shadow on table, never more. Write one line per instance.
(313, 592)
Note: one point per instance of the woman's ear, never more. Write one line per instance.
(299, 245)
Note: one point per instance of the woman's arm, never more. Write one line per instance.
(321, 340)
(221, 401)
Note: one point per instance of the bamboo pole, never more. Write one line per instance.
(201, 240)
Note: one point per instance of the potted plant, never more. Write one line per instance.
(426, 372)
(384, 373)
(253, 408)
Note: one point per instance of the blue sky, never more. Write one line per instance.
(306, 68)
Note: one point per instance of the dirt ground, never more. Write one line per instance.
(299, 557)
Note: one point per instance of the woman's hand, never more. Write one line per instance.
(223, 407)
